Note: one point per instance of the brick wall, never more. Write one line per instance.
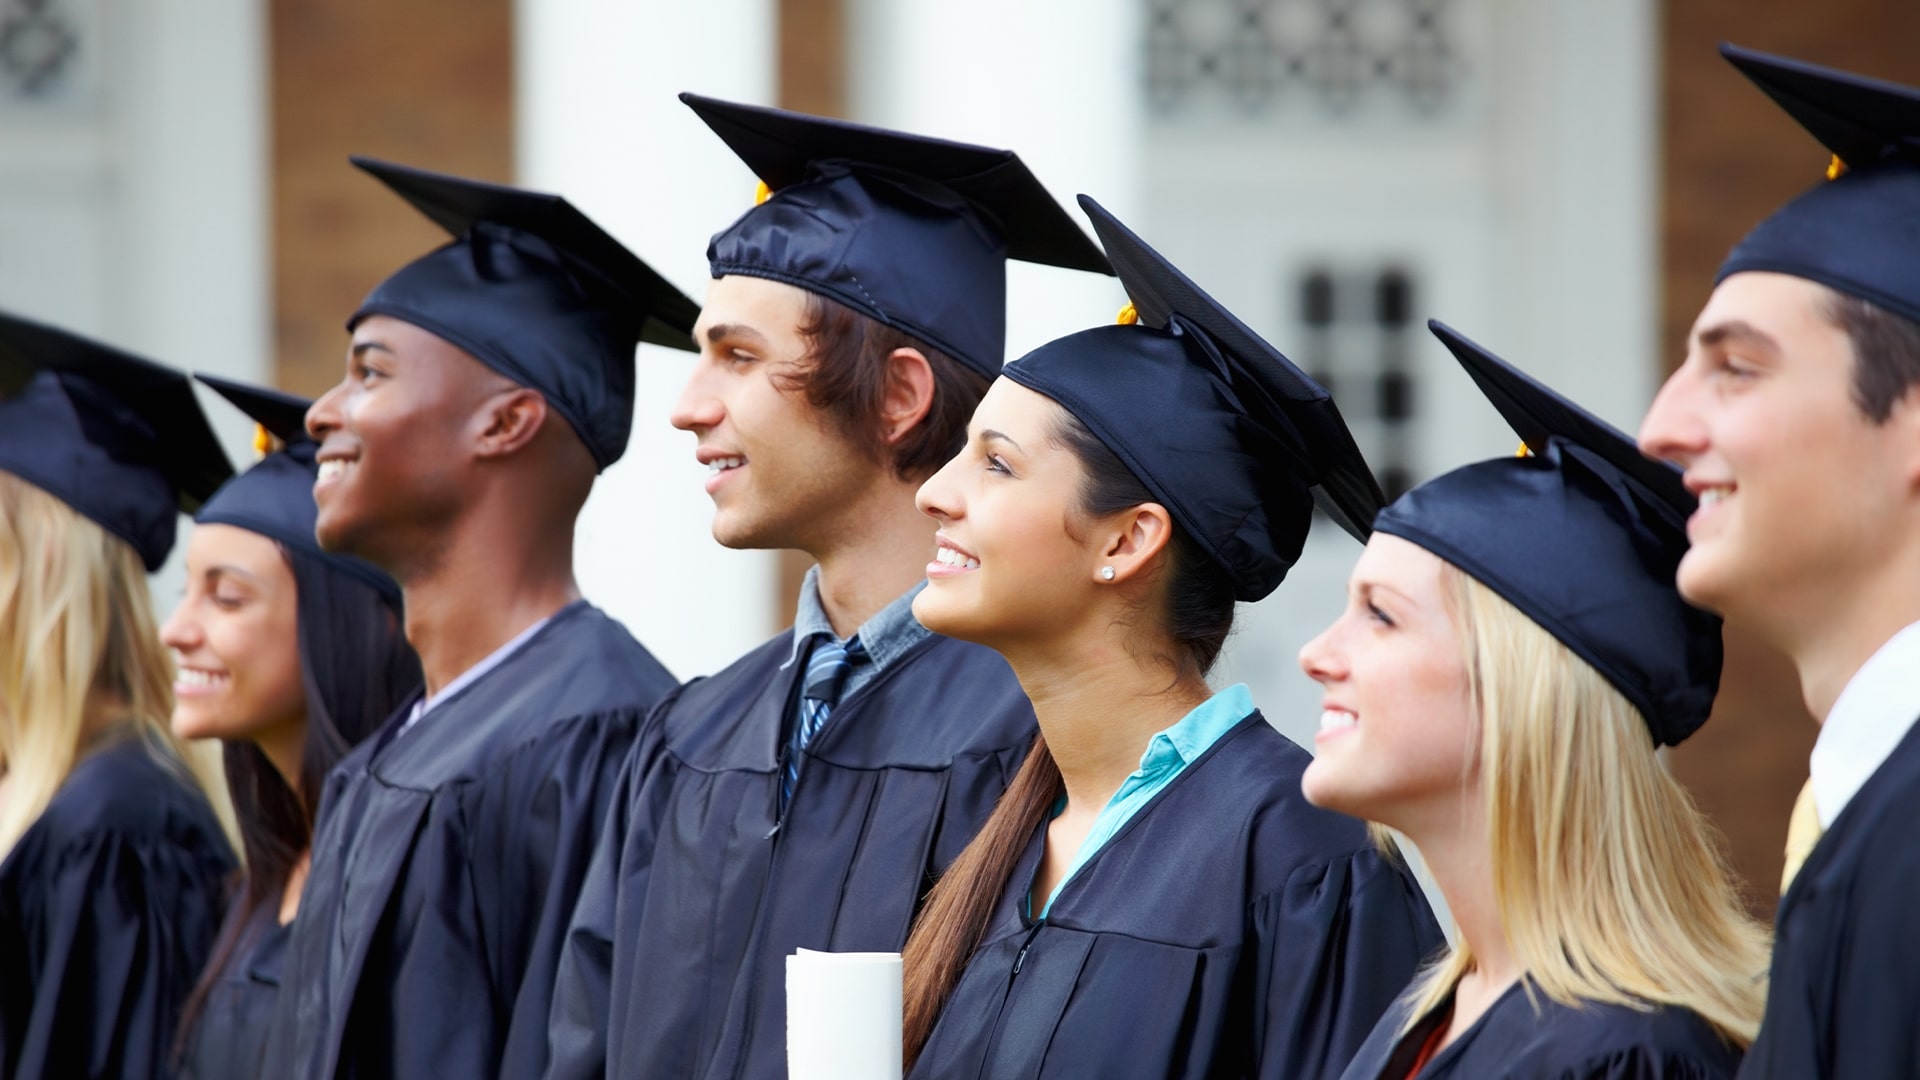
(812, 79)
(1730, 157)
(426, 82)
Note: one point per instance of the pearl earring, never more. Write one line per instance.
(1106, 573)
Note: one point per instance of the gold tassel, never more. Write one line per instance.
(1128, 316)
(1524, 451)
(262, 441)
(761, 193)
(1836, 168)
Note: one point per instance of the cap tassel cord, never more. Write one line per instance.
(1836, 168)
(761, 192)
(1128, 315)
(262, 441)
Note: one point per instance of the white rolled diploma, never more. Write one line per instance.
(843, 1016)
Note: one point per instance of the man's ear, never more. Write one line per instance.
(510, 420)
(1133, 539)
(908, 395)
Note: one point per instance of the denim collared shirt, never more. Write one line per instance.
(1168, 755)
(887, 636)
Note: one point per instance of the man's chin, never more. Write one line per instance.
(337, 535)
(1706, 581)
(735, 531)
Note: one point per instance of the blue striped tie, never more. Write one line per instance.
(827, 670)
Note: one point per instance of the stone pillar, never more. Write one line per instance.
(598, 121)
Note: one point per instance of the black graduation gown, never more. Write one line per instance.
(229, 1037)
(1229, 929)
(1844, 999)
(447, 861)
(1522, 1038)
(109, 904)
(676, 967)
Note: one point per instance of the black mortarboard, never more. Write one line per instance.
(275, 497)
(1584, 537)
(118, 438)
(1225, 431)
(1860, 233)
(535, 290)
(911, 231)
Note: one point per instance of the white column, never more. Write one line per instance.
(598, 121)
(1058, 82)
(1576, 159)
(133, 208)
(192, 273)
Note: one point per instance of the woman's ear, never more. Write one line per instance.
(1135, 537)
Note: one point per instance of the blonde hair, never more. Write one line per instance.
(1611, 885)
(78, 646)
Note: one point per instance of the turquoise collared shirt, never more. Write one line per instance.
(1168, 755)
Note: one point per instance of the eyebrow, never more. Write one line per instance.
(1368, 588)
(228, 570)
(1736, 330)
(988, 434)
(362, 347)
(719, 332)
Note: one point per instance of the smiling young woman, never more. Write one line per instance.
(1501, 703)
(1151, 896)
(289, 656)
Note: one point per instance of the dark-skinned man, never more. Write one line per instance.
(486, 385)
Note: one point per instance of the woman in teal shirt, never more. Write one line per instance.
(1152, 896)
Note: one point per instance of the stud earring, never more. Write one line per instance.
(1106, 573)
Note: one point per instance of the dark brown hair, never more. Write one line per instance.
(844, 376)
(356, 668)
(1886, 352)
(1196, 616)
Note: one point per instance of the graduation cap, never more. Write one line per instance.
(911, 231)
(275, 497)
(1860, 233)
(533, 289)
(117, 438)
(1225, 431)
(1584, 536)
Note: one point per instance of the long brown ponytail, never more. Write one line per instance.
(955, 918)
(1197, 617)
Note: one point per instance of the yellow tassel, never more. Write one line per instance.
(1128, 316)
(262, 441)
(1836, 168)
(1524, 451)
(761, 193)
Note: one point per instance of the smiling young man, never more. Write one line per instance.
(487, 383)
(1797, 418)
(805, 796)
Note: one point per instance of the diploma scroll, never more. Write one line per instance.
(843, 1016)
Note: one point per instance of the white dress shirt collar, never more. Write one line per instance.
(1869, 718)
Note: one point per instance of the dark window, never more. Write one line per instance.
(39, 41)
(1359, 335)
